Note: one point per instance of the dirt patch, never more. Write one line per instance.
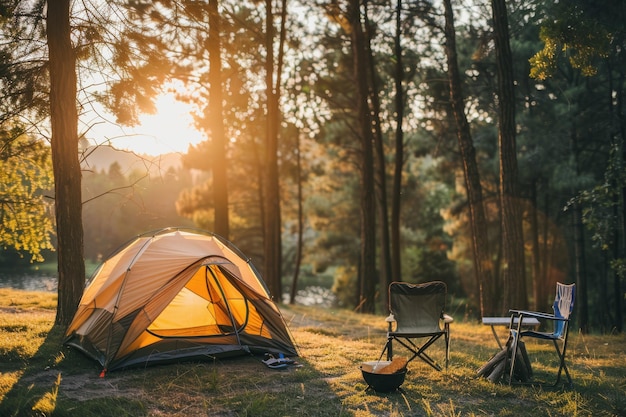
(12, 310)
(85, 386)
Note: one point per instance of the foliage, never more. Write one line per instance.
(583, 32)
(26, 223)
(602, 209)
(25, 178)
(23, 73)
(576, 37)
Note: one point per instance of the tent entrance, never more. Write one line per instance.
(208, 305)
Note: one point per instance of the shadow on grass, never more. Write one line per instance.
(37, 383)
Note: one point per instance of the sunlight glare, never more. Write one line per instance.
(169, 130)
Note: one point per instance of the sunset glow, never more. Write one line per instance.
(169, 130)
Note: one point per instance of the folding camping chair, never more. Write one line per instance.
(418, 311)
(563, 307)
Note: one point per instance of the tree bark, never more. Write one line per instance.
(536, 253)
(483, 265)
(367, 268)
(65, 164)
(513, 269)
(621, 215)
(216, 123)
(300, 244)
(396, 260)
(272, 235)
(619, 203)
(581, 270)
(380, 167)
(580, 259)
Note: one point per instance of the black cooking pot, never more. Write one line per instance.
(384, 382)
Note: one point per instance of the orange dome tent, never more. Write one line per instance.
(176, 294)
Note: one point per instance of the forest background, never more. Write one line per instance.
(363, 141)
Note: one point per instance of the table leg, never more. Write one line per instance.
(495, 334)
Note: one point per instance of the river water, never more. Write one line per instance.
(44, 281)
(28, 280)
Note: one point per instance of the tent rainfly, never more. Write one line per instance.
(176, 294)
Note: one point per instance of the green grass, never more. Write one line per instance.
(40, 377)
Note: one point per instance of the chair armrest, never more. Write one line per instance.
(536, 314)
(390, 320)
(447, 319)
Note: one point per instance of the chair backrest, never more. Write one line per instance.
(563, 305)
(418, 308)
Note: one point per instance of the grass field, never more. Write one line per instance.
(40, 377)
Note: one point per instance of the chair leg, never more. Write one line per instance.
(419, 351)
(388, 348)
(513, 351)
(411, 347)
(430, 361)
(447, 339)
(562, 365)
(560, 353)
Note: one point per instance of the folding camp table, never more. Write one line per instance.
(505, 321)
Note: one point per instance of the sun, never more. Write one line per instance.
(169, 130)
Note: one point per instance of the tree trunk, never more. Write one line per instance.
(216, 123)
(536, 262)
(298, 261)
(368, 212)
(396, 260)
(548, 251)
(513, 270)
(66, 167)
(581, 270)
(617, 254)
(620, 195)
(272, 235)
(617, 286)
(483, 266)
(381, 171)
(581, 304)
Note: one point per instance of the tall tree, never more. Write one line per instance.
(272, 219)
(66, 167)
(483, 266)
(396, 261)
(367, 263)
(513, 268)
(216, 121)
(380, 164)
(300, 221)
